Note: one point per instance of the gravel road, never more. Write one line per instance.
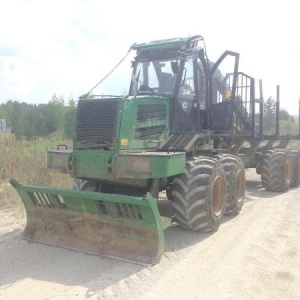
(255, 255)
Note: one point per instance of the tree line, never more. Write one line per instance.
(30, 121)
(287, 122)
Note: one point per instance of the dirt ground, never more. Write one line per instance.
(255, 255)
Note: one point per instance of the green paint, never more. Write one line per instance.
(139, 218)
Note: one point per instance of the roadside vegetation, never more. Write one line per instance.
(39, 128)
(26, 161)
(287, 124)
(31, 121)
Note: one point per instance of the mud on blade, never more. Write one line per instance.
(117, 226)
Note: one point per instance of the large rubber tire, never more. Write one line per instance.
(295, 156)
(276, 170)
(235, 182)
(199, 195)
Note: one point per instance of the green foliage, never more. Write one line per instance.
(27, 163)
(38, 128)
(69, 119)
(284, 115)
(286, 121)
(26, 160)
(30, 121)
(269, 116)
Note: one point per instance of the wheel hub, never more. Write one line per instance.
(218, 191)
(288, 171)
(240, 186)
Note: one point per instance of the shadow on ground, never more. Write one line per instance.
(21, 259)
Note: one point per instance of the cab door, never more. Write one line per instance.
(222, 92)
(184, 99)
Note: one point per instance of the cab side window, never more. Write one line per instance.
(187, 89)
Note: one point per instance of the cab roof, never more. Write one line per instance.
(179, 43)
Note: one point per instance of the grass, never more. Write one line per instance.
(294, 144)
(26, 162)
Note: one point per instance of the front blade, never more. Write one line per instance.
(117, 226)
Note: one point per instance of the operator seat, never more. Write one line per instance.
(166, 83)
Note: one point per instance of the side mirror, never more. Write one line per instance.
(201, 54)
(175, 67)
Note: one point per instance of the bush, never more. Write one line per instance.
(27, 163)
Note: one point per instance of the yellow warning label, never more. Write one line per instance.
(124, 142)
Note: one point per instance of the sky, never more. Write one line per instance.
(65, 47)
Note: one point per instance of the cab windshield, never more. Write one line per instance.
(157, 76)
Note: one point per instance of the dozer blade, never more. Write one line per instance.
(116, 226)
